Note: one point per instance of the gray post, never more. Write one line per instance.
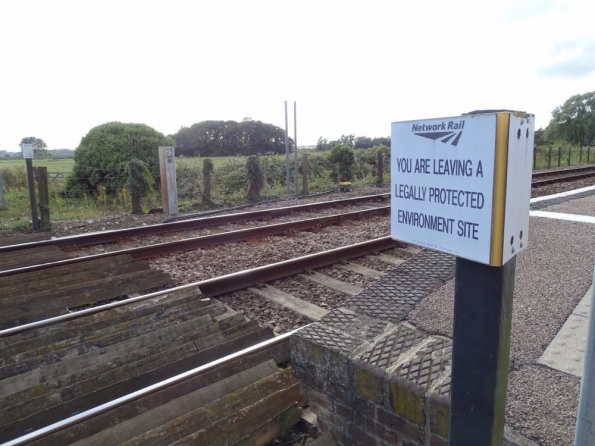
(585, 420)
(167, 170)
(2, 192)
(287, 180)
(380, 167)
(32, 199)
(481, 352)
(295, 142)
(305, 174)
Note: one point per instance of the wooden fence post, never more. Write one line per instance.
(305, 174)
(549, 158)
(380, 167)
(2, 192)
(44, 198)
(207, 168)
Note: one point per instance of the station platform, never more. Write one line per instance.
(377, 370)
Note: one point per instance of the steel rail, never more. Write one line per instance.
(231, 282)
(562, 179)
(155, 250)
(548, 173)
(97, 238)
(114, 404)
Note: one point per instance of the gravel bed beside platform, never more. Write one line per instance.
(552, 276)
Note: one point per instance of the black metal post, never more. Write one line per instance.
(569, 152)
(559, 155)
(549, 158)
(481, 352)
(588, 154)
(534, 157)
(580, 157)
(31, 182)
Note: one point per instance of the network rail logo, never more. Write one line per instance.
(445, 130)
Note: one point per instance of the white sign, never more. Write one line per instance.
(27, 150)
(443, 174)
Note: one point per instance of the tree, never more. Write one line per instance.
(104, 153)
(574, 121)
(343, 156)
(39, 146)
(227, 138)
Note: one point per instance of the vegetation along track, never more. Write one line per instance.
(141, 370)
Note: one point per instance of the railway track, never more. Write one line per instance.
(560, 176)
(163, 367)
(116, 366)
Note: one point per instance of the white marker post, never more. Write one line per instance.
(462, 185)
(167, 171)
(27, 152)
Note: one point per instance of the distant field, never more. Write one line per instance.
(65, 165)
(53, 165)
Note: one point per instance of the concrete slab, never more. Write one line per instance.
(311, 311)
(389, 259)
(333, 284)
(566, 352)
(364, 271)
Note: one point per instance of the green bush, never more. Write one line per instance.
(103, 154)
(189, 179)
(344, 158)
(231, 179)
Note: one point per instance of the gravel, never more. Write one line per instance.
(551, 189)
(586, 206)
(552, 276)
(201, 264)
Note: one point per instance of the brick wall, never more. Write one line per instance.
(373, 382)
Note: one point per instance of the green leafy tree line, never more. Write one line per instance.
(355, 142)
(228, 138)
(573, 121)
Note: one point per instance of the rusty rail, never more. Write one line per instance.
(147, 252)
(97, 238)
(232, 282)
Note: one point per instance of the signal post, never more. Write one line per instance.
(462, 185)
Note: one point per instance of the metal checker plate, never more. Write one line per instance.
(331, 339)
(399, 291)
(358, 325)
(386, 351)
(428, 364)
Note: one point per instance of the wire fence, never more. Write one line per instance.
(101, 192)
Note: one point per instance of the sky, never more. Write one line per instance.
(353, 67)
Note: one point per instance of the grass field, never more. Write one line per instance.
(53, 165)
